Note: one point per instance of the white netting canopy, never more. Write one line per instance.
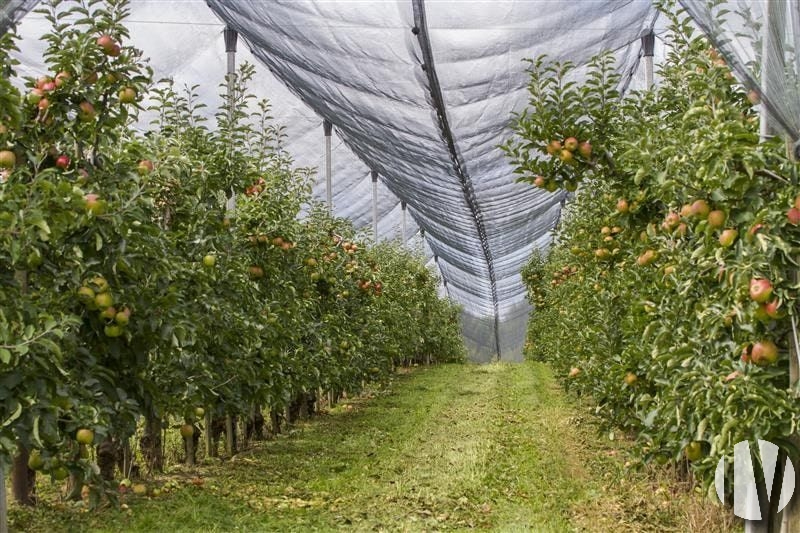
(422, 94)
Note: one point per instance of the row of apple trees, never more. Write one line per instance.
(166, 276)
(668, 294)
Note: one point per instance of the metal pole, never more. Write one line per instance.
(375, 204)
(231, 37)
(403, 239)
(766, 48)
(648, 46)
(328, 129)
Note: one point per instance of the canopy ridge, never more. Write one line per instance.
(459, 167)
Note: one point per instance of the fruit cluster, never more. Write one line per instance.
(96, 295)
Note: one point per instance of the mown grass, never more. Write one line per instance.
(459, 447)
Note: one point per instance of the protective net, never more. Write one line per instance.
(422, 93)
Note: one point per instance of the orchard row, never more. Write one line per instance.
(668, 295)
(170, 275)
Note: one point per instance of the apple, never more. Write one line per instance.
(48, 87)
(631, 379)
(760, 290)
(35, 461)
(93, 203)
(100, 283)
(86, 295)
(62, 78)
(85, 436)
(602, 254)
(682, 229)
(209, 260)
(277, 241)
(671, 221)
(694, 451)
(574, 372)
(104, 300)
(700, 209)
(187, 430)
(107, 43)
(199, 412)
(312, 262)
(793, 215)
(647, 257)
(35, 96)
(539, 181)
(772, 308)
(109, 313)
(571, 144)
(140, 489)
(60, 473)
(727, 237)
(41, 82)
(115, 51)
(686, 211)
(127, 95)
(112, 330)
(145, 167)
(764, 353)
(565, 156)
(62, 162)
(125, 483)
(622, 205)
(86, 111)
(797, 202)
(90, 77)
(669, 270)
(716, 218)
(7, 159)
(123, 317)
(585, 149)
(256, 272)
(43, 104)
(605, 230)
(554, 147)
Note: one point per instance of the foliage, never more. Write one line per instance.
(644, 301)
(147, 275)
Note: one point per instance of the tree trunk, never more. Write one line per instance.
(151, 443)
(230, 438)
(275, 419)
(211, 442)
(23, 479)
(107, 455)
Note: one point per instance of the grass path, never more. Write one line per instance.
(495, 447)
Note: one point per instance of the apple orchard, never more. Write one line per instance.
(137, 306)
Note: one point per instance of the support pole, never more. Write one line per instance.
(648, 47)
(3, 500)
(766, 49)
(375, 205)
(211, 449)
(403, 239)
(328, 130)
(231, 38)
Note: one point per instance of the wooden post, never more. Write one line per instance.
(3, 500)
(230, 448)
(403, 239)
(211, 450)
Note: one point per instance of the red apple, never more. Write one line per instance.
(554, 147)
(93, 203)
(622, 205)
(48, 87)
(87, 112)
(62, 162)
(107, 43)
(585, 149)
(565, 156)
(727, 237)
(571, 144)
(43, 104)
(764, 353)
(772, 309)
(760, 290)
(700, 209)
(716, 218)
(62, 77)
(671, 220)
(793, 215)
(539, 181)
(145, 167)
